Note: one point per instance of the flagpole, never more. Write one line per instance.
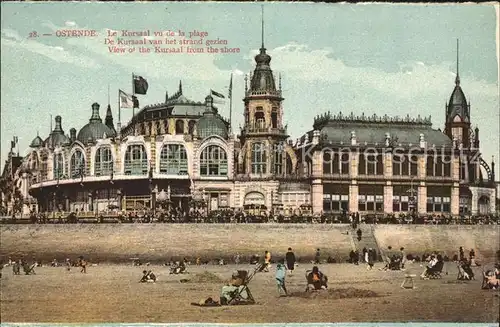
(133, 103)
(119, 125)
(231, 105)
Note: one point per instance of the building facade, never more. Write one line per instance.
(346, 163)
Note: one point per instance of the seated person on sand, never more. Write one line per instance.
(435, 264)
(392, 263)
(148, 277)
(178, 268)
(465, 270)
(316, 280)
(492, 278)
(235, 285)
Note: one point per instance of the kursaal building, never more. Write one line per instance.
(185, 149)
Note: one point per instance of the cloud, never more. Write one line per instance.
(70, 24)
(12, 39)
(414, 79)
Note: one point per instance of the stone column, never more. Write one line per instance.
(353, 196)
(317, 164)
(455, 199)
(387, 157)
(388, 192)
(317, 196)
(353, 169)
(91, 202)
(421, 167)
(422, 198)
(493, 201)
(475, 201)
(67, 204)
(119, 198)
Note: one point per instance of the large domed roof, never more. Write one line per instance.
(211, 123)
(95, 129)
(57, 137)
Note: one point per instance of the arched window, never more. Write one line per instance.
(173, 160)
(58, 166)
(213, 161)
(258, 158)
(77, 164)
(103, 162)
(278, 158)
(260, 119)
(136, 160)
(179, 127)
(191, 126)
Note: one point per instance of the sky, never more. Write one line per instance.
(372, 58)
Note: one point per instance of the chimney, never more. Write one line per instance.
(72, 135)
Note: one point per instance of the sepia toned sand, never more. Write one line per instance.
(112, 293)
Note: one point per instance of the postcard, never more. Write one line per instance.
(189, 163)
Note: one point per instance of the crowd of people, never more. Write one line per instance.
(241, 216)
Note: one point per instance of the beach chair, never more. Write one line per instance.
(29, 270)
(435, 273)
(237, 297)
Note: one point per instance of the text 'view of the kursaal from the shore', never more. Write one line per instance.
(249, 163)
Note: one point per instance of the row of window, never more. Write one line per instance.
(173, 160)
(373, 164)
(338, 202)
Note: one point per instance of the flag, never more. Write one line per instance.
(126, 100)
(140, 85)
(12, 145)
(135, 101)
(230, 87)
(16, 140)
(217, 94)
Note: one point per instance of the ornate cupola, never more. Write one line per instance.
(457, 122)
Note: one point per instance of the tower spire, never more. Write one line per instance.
(262, 19)
(457, 79)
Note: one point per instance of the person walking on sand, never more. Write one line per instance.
(267, 261)
(290, 260)
(83, 264)
(280, 278)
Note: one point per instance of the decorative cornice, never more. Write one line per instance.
(321, 121)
